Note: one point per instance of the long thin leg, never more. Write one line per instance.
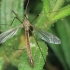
(14, 55)
(14, 19)
(44, 13)
(38, 15)
(11, 22)
(37, 45)
(15, 44)
(17, 40)
(17, 16)
(34, 19)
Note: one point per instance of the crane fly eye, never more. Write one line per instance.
(31, 28)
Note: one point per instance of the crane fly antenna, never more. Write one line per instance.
(26, 7)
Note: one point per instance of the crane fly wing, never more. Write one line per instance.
(8, 34)
(47, 37)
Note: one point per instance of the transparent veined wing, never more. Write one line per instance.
(8, 34)
(47, 37)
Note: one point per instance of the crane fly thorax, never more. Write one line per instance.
(26, 24)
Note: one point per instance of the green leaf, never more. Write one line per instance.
(12, 54)
(50, 10)
(37, 57)
(63, 12)
(1, 63)
(50, 6)
(7, 16)
(46, 6)
(62, 51)
(65, 37)
(63, 30)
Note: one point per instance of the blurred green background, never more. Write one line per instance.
(58, 57)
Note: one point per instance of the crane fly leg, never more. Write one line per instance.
(37, 44)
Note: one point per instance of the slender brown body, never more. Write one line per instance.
(45, 36)
(26, 25)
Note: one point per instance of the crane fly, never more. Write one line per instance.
(43, 35)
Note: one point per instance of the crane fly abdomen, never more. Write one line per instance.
(28, 47)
